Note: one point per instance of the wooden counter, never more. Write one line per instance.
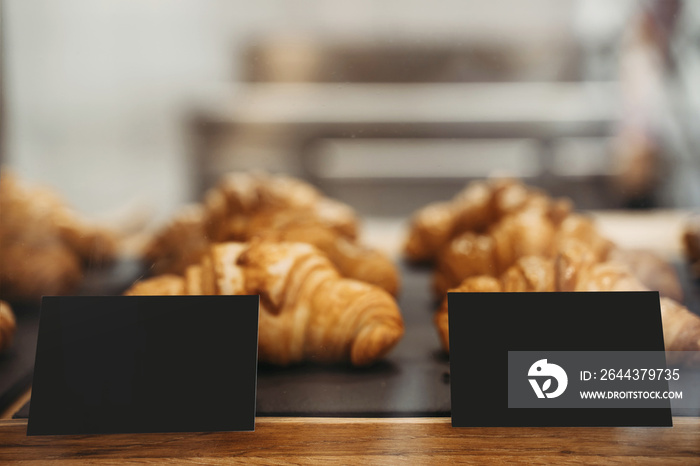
(363, 441)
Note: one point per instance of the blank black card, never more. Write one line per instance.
(117, 364)
(485, 326)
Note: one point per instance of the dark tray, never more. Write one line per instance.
(17, 364)
(413, 380)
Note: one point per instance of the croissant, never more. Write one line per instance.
(7, 326)
(480, 284)
(183, 242)
(241, 196)
(350, 258)
(531, 224)
(529, 232)
(245, 206)
(44, 245)
(576, 268)
(308, 312)
(474, 209)
(162, 285)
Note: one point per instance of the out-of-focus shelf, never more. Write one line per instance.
(471, 103)
(300, 116)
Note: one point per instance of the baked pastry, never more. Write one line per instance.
(528, 232)
(44, 245)
(691, 243)
(474, 209)
(7, 326)
(490, 225)
(352, 259)
(500, 236)
(308, 312)
(182, 242)
(244, 206)
(576, 268)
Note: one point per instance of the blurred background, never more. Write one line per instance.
(126, 105)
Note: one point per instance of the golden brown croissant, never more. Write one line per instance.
(528, 232)
(7, 326)
(474, 209)
(308, 312)
(245, 206)
(480, 284)
(162, 285)
(502, 236)
(183, 242)
(490, 225)
(350, 258)
(577, 268)
(43, 244)
(538, 227)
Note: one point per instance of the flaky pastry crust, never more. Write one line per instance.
(308, 311)
(244, 206)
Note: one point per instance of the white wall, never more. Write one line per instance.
(96, 90)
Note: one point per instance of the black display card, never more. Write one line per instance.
(121, 364)
(484, 327)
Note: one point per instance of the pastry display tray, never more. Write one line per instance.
(412, 381)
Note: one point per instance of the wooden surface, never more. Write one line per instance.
(363, 441)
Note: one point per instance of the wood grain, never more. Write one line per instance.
(364, 441)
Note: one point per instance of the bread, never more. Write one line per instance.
(43, 244)
(490, 225)
(528, 232)
(308, 312)
(244, 206)
(576, 268)
(474, 209)
(502, 236)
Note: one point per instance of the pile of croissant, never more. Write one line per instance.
(244, 206)
(45, 245)
(323, 296)
(500, 235)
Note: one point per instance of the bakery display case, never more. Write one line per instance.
(351, 170)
